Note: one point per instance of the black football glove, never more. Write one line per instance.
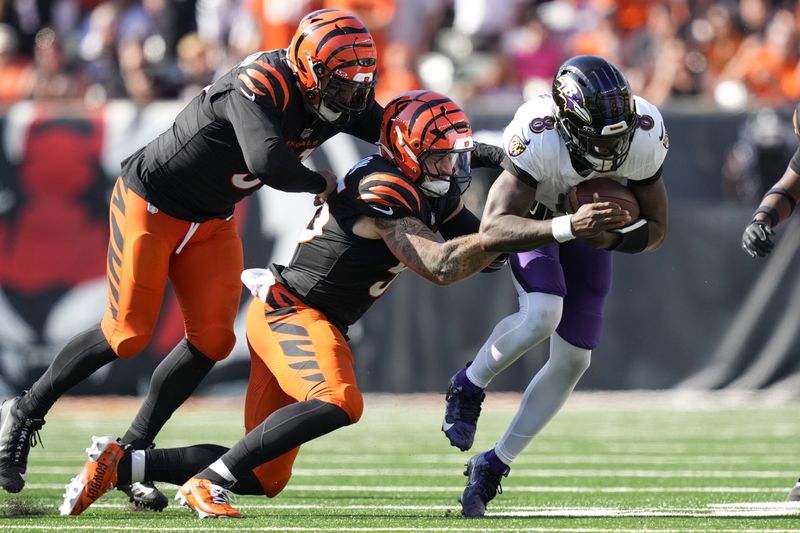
(757, 239)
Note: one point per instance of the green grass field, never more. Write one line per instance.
(608, 463)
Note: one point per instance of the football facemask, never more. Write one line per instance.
(446, 171)
(346, 96)
(606, 152)
(602, 152)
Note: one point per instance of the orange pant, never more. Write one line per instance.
(144, 250)
(295, 355)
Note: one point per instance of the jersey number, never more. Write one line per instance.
(314, 228)
(378, 288)
(540, 124)
(245, 181)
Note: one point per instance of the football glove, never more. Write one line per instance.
(757, 239)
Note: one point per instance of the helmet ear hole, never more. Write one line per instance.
(319, 69)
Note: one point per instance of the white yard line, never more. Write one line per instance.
(516, 473)
(549, 473)
(742, 510)
(781, 490)
(531, 460)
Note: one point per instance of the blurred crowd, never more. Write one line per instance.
(732, 53)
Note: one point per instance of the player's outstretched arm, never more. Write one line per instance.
(504, 227)
(442, 262)
(776, 206)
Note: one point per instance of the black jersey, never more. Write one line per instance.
(250, 128)
(340, 273)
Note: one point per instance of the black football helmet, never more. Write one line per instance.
(595, 112)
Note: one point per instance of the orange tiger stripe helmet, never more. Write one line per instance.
(334, 59)
(429, 138)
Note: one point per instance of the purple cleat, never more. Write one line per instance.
(482, 486)
(462, 410)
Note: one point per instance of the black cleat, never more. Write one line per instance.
(18, 434)
(145, 496)
(483, 485)
(461, 415)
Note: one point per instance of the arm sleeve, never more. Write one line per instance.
(490, 156)
(463, 223)
(266, 154)
(367, 126)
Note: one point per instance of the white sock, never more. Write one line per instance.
(137, 466)
(544, 396)
(537, 319)
(219, 467)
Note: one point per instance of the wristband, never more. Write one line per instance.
(562, 228)
(786, 195)
(771, 212)
(634, 238)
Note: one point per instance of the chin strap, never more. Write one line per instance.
(435, 188)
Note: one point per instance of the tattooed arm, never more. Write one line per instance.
(442, 262)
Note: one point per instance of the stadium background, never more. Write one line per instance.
(84, 83)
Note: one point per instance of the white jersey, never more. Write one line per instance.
(534, 145)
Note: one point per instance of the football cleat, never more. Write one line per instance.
(98, 476)
(483, 484)
(794, 494)
(18, 434)
(461, 414)
(145, 496)
(207, 499)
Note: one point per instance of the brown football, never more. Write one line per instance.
(607, 189)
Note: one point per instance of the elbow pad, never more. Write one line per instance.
(634, 238)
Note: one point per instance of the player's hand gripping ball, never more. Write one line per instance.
(607, 190)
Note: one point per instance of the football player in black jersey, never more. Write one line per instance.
(384, 218)
(776, 206)
(170, 217)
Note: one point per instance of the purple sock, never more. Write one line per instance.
(495, 463)
(466, 385)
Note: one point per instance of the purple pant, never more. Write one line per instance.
(578, 273)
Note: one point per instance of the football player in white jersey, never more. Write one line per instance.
(589, 126)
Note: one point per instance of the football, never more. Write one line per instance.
(607, 190)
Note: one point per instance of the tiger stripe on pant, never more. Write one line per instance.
(296, 355)
(147, 247)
